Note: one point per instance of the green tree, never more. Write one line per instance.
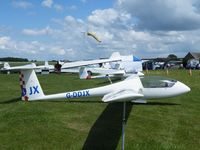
(172, 57)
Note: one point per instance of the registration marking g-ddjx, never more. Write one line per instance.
(77, 94)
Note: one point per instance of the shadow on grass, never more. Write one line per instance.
(106, 131)
(106, 82)
(61, 101)
(13, 100)
(70, 101)
(87, 101)
(157, 103)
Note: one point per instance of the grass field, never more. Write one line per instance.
(88, 123)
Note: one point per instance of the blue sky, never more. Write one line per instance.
(18, 15)
(56, 29)
(31, 14)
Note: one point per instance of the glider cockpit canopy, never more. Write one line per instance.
(157, 82)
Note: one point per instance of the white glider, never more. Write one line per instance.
(116, 66)
(130, 89)
(87, 73)
(113, 58)
(7, 67)
(46, 66)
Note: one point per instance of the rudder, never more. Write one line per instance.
(6, 65)
(83, 73)
(30, 86)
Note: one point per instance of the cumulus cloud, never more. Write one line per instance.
(51, 4)
(7, 43)
(72, 7)
(106, 17)
(126, 28)
(57, 50)
(47, 3)
(103, 17)
(83, 1)
(71, 41)
(163, 15)
(58, 7)
(31, 49)
(22, 4)
(4, 40)
(35, 32)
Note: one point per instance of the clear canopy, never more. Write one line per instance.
(157, 82)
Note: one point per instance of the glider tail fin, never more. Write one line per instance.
(30, 86)
(83, 73)
(6, 65)
(115, 55)
(46, 64)
(87, 74)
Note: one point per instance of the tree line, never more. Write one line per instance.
(15, 59)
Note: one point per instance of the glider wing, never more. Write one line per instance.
(122, 95)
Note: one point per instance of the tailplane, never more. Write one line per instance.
(30, 86)
(115, 55)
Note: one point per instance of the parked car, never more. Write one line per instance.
(192, 64)
(198, 66)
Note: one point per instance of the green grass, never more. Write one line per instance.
(161, 124)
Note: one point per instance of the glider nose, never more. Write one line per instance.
(182, 87)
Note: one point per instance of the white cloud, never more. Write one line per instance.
(4, 40)
(109, 17)
(83, 1)
(60, 52)
(119, 29)
(58, 7)
(163, 15)
(51, 4)
(47, 3)
(72, 7)
(103, 17)
(72, 43)
(57, 50)
(69, 19)
(132, 35)
(35, 32)
(102, 35)
(6, 43)
(22, 4)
